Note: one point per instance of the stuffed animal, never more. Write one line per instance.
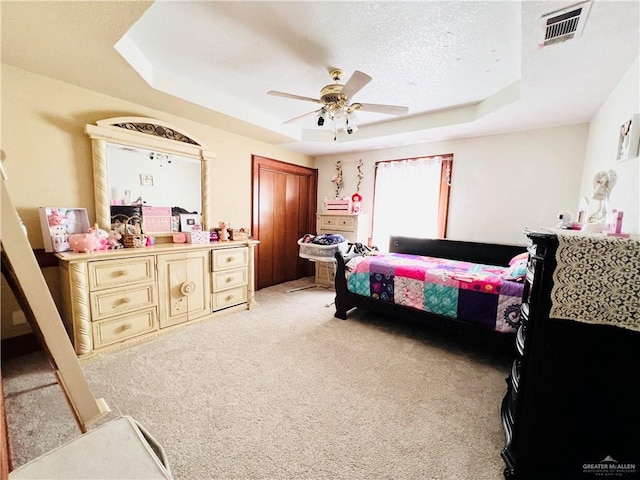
(55, 218)
(223, 234)
(84, 242)
(356, 198)
(114, 239)
(102, 236)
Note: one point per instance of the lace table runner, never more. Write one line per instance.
(597, 280)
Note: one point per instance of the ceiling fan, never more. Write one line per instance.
(336, 101)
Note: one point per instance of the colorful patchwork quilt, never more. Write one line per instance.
(466, 291)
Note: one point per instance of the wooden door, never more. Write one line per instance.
(284, 208)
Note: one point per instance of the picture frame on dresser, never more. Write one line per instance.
(190, 222)
(58, 223)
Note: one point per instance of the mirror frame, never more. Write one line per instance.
(151, 134)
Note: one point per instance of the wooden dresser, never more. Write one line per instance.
(118, 296)
(572, 407)
(355, 228)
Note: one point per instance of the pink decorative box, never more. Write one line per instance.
(338, 207)
(198, 236)
(156, 219)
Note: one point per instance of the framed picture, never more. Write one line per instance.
(190, 222)
(58, 224)
(146, 180)
(629, 138)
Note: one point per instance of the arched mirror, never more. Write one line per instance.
(147, 163)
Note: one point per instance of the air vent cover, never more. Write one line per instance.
(562, 25)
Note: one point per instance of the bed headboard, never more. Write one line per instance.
(475, 252)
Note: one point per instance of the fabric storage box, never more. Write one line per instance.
(314, 251)
(156, 219)
(338, 207)
(238, 234)
(198, 236)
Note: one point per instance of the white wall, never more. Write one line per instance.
(602, 142)
(501, 183)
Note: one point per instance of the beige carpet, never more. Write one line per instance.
(287, 391)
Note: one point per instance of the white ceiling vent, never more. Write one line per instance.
(564, 24)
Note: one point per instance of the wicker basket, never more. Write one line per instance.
(134, 240)
(127, 228)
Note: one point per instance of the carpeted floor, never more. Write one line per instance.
(287, 391)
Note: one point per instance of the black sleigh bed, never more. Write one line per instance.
(472, 283)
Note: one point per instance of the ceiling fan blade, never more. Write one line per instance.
(295, 97)
(388, 109)
(302, 116)
(357, 81)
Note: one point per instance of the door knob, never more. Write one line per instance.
(187, 288)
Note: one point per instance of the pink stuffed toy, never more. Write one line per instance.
(84, 242)
(114, 239)
(102, 236)
(55, 218)
(95, 239)
(223, 235)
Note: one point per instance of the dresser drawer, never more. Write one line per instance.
(228, 298)
(229, 258)
(229, 278)
(325, 273)
(117, 273)
(338, 223)
(107, 303)
(107, 332)
(537, 249)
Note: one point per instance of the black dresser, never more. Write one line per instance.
(572, 407)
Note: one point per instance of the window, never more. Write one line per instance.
(411, 198)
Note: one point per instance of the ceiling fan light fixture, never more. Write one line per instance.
(337, 106)
(340, 118)
(351, 125)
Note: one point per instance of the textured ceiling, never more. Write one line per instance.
(463, 68)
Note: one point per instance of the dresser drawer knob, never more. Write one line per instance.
(229, 297)
(229, 259)
(187, 288)
(229, 279)
(123, 273)
(126, 300)
(126, 326)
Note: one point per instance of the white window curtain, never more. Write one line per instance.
(406, 199)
